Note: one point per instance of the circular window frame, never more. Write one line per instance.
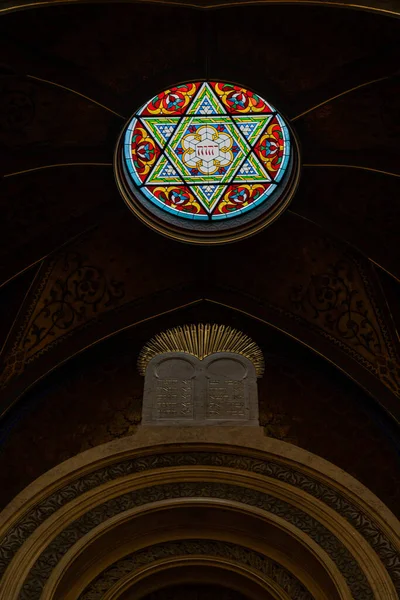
(208, 232)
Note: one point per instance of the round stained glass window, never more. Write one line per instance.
(207, 162)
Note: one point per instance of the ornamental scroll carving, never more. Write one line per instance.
(339, 303)
(233, 552)
(181, 389)
(331, 300)
(71, 294)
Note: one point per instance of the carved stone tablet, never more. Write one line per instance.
(169, 389)
(183, 390)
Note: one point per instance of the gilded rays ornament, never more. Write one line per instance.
(202, 340)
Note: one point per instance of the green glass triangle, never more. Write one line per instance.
(251, 126)
(251, 170)
(206, 103)
(161, 128)
(208, 194)
(163, 173)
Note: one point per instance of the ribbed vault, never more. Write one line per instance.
(108, 508)
(66, 96)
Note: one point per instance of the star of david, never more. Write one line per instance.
(207, 146)
(209, 150)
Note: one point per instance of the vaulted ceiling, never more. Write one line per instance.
(81, 277)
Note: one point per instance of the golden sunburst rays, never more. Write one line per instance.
(202, 340)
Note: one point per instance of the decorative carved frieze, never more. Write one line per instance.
(23, 529)
(212, 548)
(59, 546)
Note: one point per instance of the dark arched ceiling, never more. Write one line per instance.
(75, 265)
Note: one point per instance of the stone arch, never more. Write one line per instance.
(259, 504)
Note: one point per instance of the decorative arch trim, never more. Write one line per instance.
(258, 469)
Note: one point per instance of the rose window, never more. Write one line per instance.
(207, 162)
